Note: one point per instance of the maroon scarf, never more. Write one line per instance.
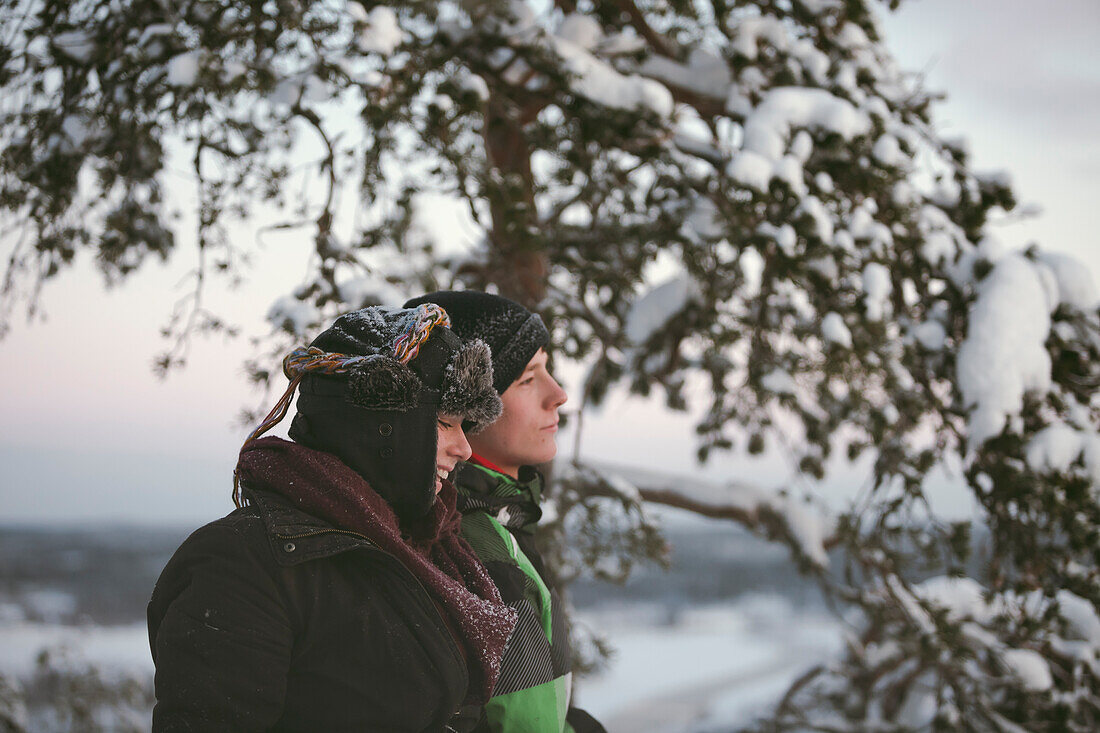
(430, 548)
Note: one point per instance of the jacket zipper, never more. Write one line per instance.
(326, 531)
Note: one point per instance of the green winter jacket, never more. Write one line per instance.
(499, 514)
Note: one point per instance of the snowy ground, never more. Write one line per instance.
(112, 649)
(705, 646)
(712, 668)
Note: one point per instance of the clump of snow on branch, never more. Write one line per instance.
(295, 316)
(967, 603)
(877, 288)
(1029, 667)
(705, 72)
(808, 528)
(964, 610)
(359, 292)
(835, 331)
(77, 45)
(1076, 287)
(931, 335)
(1056, 447)
(1003, 356)
(183, 70)
(380, 32)
(779, 381)
(581, 30)
(599, 82)
(627, 491)
(769, 126)
(659, 305)
(801, 107)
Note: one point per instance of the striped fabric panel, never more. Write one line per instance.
(477, 529)
(527, 655)
(561, 652)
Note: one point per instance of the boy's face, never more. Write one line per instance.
(524, 435)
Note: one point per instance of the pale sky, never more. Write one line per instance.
(89, 435)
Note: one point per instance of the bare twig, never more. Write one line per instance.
(645, 30)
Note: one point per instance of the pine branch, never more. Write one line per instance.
(661, 44)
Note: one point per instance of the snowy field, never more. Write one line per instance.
(112, 649)
(710, 669)
(705, 650)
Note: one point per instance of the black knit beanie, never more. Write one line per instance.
(512, 332)
(380, 418)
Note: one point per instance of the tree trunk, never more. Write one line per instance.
(517, 263)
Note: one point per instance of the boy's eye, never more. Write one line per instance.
(445, 425)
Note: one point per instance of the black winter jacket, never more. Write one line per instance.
(270, 619)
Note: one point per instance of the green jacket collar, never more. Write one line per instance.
(514, 502)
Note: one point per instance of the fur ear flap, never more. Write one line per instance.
(468, 387)
(384, 383)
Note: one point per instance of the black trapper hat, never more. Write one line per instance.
(371, 388)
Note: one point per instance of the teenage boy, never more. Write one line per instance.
(498, 494)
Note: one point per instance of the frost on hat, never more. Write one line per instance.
(512, 332)
(440, 369)
(371, 389)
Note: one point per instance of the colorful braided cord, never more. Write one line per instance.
(428, 316)
(311, 359)
(307, 359)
